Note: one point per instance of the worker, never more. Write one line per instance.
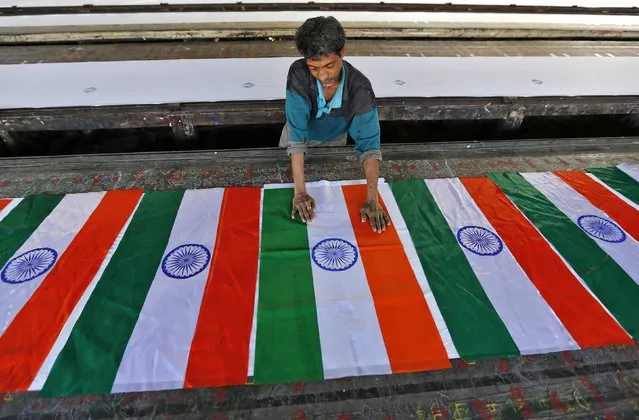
(326, 98)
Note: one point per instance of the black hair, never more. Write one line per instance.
(320, 36)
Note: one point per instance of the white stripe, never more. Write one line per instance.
(574, 205)
(615, 192)
(411, 253)
(46, 367)
(251, 361)
(350, 336)
(632, 170)
(56, 231)
(12, 205)
(531, 322)
(157, 354)
(319, 184)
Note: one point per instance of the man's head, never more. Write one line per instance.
(321, 42)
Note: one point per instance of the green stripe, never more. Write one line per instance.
(609, 282)
(287, 343)
(476, 328)
(89, 361)
(22, 221)
(619, 181)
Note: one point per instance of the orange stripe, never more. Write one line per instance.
(586, 320)
(220, 347)
(28, 340)
(4, 203)
(410, 334)
(623, 213)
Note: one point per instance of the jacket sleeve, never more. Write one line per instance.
(298, 106)
(298, 111)
(364, 128)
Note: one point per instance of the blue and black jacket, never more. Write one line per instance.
(351, 110)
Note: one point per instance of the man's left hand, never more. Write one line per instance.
(373, 211)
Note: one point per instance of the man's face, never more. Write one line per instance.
(327, 69)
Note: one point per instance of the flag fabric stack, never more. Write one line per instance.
(133, 291)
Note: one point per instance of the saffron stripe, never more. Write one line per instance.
(472, 320)
(90, 359)
(4, 203)
(411, 346)
(607, 280)
(586, 320)
(220, 347)
(44, 315)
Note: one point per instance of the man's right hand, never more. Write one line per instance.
(303, 204)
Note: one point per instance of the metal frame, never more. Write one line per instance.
(88, 35)
(184, 118)
(321, 155)
(311, 6)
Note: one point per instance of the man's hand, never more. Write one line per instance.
(303, 204)
(373, 211)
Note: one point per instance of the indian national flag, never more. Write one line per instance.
(128, 291)
(131, 290)
(337, 299)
